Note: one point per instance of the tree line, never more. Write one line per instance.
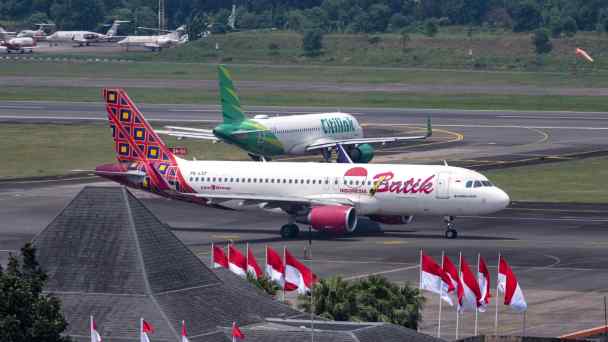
(366, 16)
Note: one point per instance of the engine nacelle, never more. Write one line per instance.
(332, 218)
(363, 153)
(392, 219)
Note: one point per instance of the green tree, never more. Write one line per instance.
(144, 16)
(541, 41)
(569, 26)
(26, 313)
(265, 284)
(431, 28)
(405, 39)
(526, 16)
(373, 299)
(312, 42)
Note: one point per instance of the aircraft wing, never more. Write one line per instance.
(270, 201)
(325, 143)
(186, 132)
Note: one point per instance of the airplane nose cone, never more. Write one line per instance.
(502, 200)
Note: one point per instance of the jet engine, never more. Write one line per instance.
(363, 153)
(392, 219)
(332, 218)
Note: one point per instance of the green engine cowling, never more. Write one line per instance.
(363, 153)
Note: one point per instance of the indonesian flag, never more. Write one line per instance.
(95, 337)
(219, 258)
(451, 272)
(237, 262)
(297, 275)
(275, 270)
(582, 53)
(483, 278)
(434, 279)
(237, 333)
(470, 295)
(507, 284)
(252, 265)
(146, 328)
(184, 334)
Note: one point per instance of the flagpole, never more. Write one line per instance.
(233, 337)
(477, 304)
(458, 306)
(212, 261)
(91, 326)
(523, 326)
(497, 296)
(312, 326)
(440, 300)
(284, 280)
(141, 327)
(247, 259)
(419, 282)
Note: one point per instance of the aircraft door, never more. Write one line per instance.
(443, 185)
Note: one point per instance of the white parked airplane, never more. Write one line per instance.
(16, 44)
(264, 136)
(84, 37)
(37, 34)
(328, 196)
(158, 42)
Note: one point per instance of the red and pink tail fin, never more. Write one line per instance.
(134, 138)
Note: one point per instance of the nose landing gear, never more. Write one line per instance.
(450, 232)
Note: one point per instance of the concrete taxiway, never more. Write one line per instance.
(469, 137)
(557, 251)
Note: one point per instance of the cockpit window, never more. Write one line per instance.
(486, 183)
(477, 184)
(469, 184)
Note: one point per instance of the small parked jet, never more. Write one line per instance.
(16, 44)
(84, 37)
(328, 196)
(264, 137)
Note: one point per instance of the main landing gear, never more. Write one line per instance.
(450, 232)
(290, 231)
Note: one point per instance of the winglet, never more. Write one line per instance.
(429, 127)
(343, 156)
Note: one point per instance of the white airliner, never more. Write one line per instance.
(328, 196)
(264, 136)
(84, 37)
(158, 42)
(16, 44)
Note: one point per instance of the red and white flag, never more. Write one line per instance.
(237, 262)
(252, 265)
(275, 270)
(434, 279)
(145, 329)
(582, 53)
(237, 333)
(297, 275)
(95, 337)
(184, 334)
(483, 278)
(470, 295)
(451, 272)
(219, 259)
(507, 284)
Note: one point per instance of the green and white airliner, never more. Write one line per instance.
(265, 137)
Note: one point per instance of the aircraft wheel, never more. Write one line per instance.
(289, 231)
(451, 234)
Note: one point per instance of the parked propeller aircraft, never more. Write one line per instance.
(84, 37)
(328, 196)
(158, 42)
(266, 136)
(16, 44)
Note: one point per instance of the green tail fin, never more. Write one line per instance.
(231, 105)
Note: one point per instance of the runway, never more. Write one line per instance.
(557, 251)
(472, 138)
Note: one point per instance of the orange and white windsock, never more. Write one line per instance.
(582, 53)
(507, 284)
